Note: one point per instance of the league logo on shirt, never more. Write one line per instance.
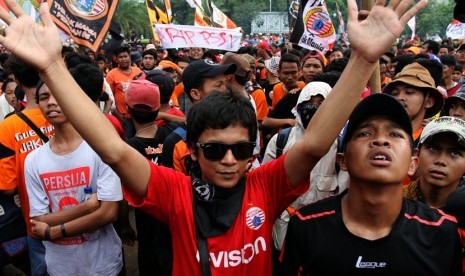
(255, 217)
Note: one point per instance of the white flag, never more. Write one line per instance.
(412, 23)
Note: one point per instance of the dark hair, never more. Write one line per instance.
(151, 52)
(338, 65)
(434, 68)
(101, 58)
(26, 75)
(219, 111)
(66, 49)
(121, 49)
(185, 59)
(90, 79)
(458, 67)
(448, 60)
(142, 117)
(289, 58)
(73, 59)
(403, 61)
(197, 84)
(5, 83)
(329, 77)
(433, 46)
(4, 57)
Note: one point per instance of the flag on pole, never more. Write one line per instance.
(217, 19)
(293, 12)
(412, 24)
(342, 25)
(313, 29)
(86, 21)
(156, 16)
(169, 13)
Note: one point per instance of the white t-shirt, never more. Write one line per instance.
(55, 183)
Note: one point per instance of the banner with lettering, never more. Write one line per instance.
(182, 36)
(86, 21)
(313, 29)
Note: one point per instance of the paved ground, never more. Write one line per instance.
(130, 253)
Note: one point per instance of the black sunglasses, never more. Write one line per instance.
(217, 151)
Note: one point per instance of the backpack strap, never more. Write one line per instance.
(181, 132)
(281, 141)
(33, 126)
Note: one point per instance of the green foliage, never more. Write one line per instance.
(435, 18)
(133, 18)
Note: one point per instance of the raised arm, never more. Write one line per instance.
(40, 46)
(383, 25)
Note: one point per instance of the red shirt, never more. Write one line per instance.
(245, 249)
(172, 111)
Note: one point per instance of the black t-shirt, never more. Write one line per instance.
(152, 148)
(267, 88)
(283, 109)
(422, 241)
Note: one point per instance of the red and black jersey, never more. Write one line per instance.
(422, 241)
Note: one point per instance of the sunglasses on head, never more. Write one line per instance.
(217, 151)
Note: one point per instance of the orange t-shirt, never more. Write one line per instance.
(260, 101)
(119, 83)
(279, 93)
(177, 92)
(17, 140)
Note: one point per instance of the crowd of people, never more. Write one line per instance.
(272, 160)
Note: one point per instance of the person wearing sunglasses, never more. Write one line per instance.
(220, 217)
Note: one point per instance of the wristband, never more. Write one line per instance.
(47, 233)
(63, 230)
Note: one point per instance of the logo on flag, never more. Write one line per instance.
(319, 23)
(87, 8)
(313, 29)
(254, 218)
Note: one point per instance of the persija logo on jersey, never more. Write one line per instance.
(254, 218)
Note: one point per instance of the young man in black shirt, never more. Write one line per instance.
(370, 228)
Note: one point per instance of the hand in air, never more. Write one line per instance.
(37, 45)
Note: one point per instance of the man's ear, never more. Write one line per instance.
(429, 101)
(193, 152)
(414, 165)
(195, 94)
(341, 160)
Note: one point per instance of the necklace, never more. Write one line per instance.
(145, 128)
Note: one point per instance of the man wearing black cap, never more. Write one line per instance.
(199, 79)
(374, 230)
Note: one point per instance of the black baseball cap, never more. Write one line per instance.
(163, 80)
(378, 104)
(203, 68)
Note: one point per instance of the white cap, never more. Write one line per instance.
(312, 89)
(444, 124)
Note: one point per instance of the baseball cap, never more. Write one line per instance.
(203, 68)
(272, 65)
(143, 95)
(418, 76)
(264, 45)
(315, 54)
(444, 124)
(150, 46)
(242, 65)
(377, 105)
(458, 95)
(163, 80)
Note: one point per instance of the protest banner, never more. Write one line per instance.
(182, 36)
(86, 21)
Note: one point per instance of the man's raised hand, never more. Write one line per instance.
(37, 45)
